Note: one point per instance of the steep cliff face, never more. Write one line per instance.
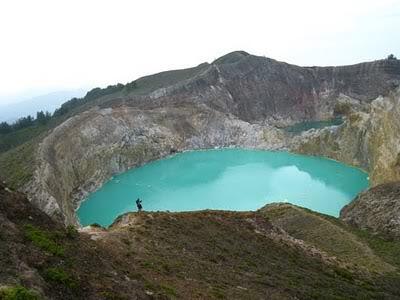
(369, 139)
(259, 89)
(234, 101)
(264, 88)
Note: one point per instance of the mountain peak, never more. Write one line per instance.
(231, 57)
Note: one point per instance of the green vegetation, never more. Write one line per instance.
(17, 165)
(385, 247)
(60, 276)
(201, 255)
(336, 238)
(204, 247)
(112, 296)
(27, 128)
(321, 233)
(43, 117)
(24, 129)
(17, 153)
(71, 232)
(43, 240)
(15, 138)
(18, 293)
(170, 291)
(153, 82)
(74, 103)
(388, 249)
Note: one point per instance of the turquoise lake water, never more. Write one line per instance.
(228, 179)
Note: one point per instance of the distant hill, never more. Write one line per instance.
(48, 102)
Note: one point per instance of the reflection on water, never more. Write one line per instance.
(230, 179)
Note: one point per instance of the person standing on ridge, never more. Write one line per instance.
(139, 204)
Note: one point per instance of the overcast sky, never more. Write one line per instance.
(49, 45)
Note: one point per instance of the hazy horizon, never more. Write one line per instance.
(48, 102)
(53, 46)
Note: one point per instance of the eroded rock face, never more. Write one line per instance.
(370, 139)
(377, 209)
(260, 89)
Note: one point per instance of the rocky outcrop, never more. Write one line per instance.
(369, 138)
(377, 209)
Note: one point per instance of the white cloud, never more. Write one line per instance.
(47, 44)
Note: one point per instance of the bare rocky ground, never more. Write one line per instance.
(377, 210)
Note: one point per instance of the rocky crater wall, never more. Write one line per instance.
(77, 157)
(377, 210)
(235, 101)
(370, 139)
(84, 152)
(258, 89)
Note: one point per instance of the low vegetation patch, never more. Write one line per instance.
(43, 240)
(71, 232)
(60, 276)
(334, 237)
(15, 138)
(223, 255)
(388, 249)
(17, 165)
(18, 293)
(385, 247)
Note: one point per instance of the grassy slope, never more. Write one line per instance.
(16, 138)
(148, 84)
(331, 235)
(17, 165)
(38, 254)
(223, 255)
(209, 254)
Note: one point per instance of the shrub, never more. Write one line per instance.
(169, 290)
(43, 240)
(72, 233)
(58, 275)
(18, 293)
